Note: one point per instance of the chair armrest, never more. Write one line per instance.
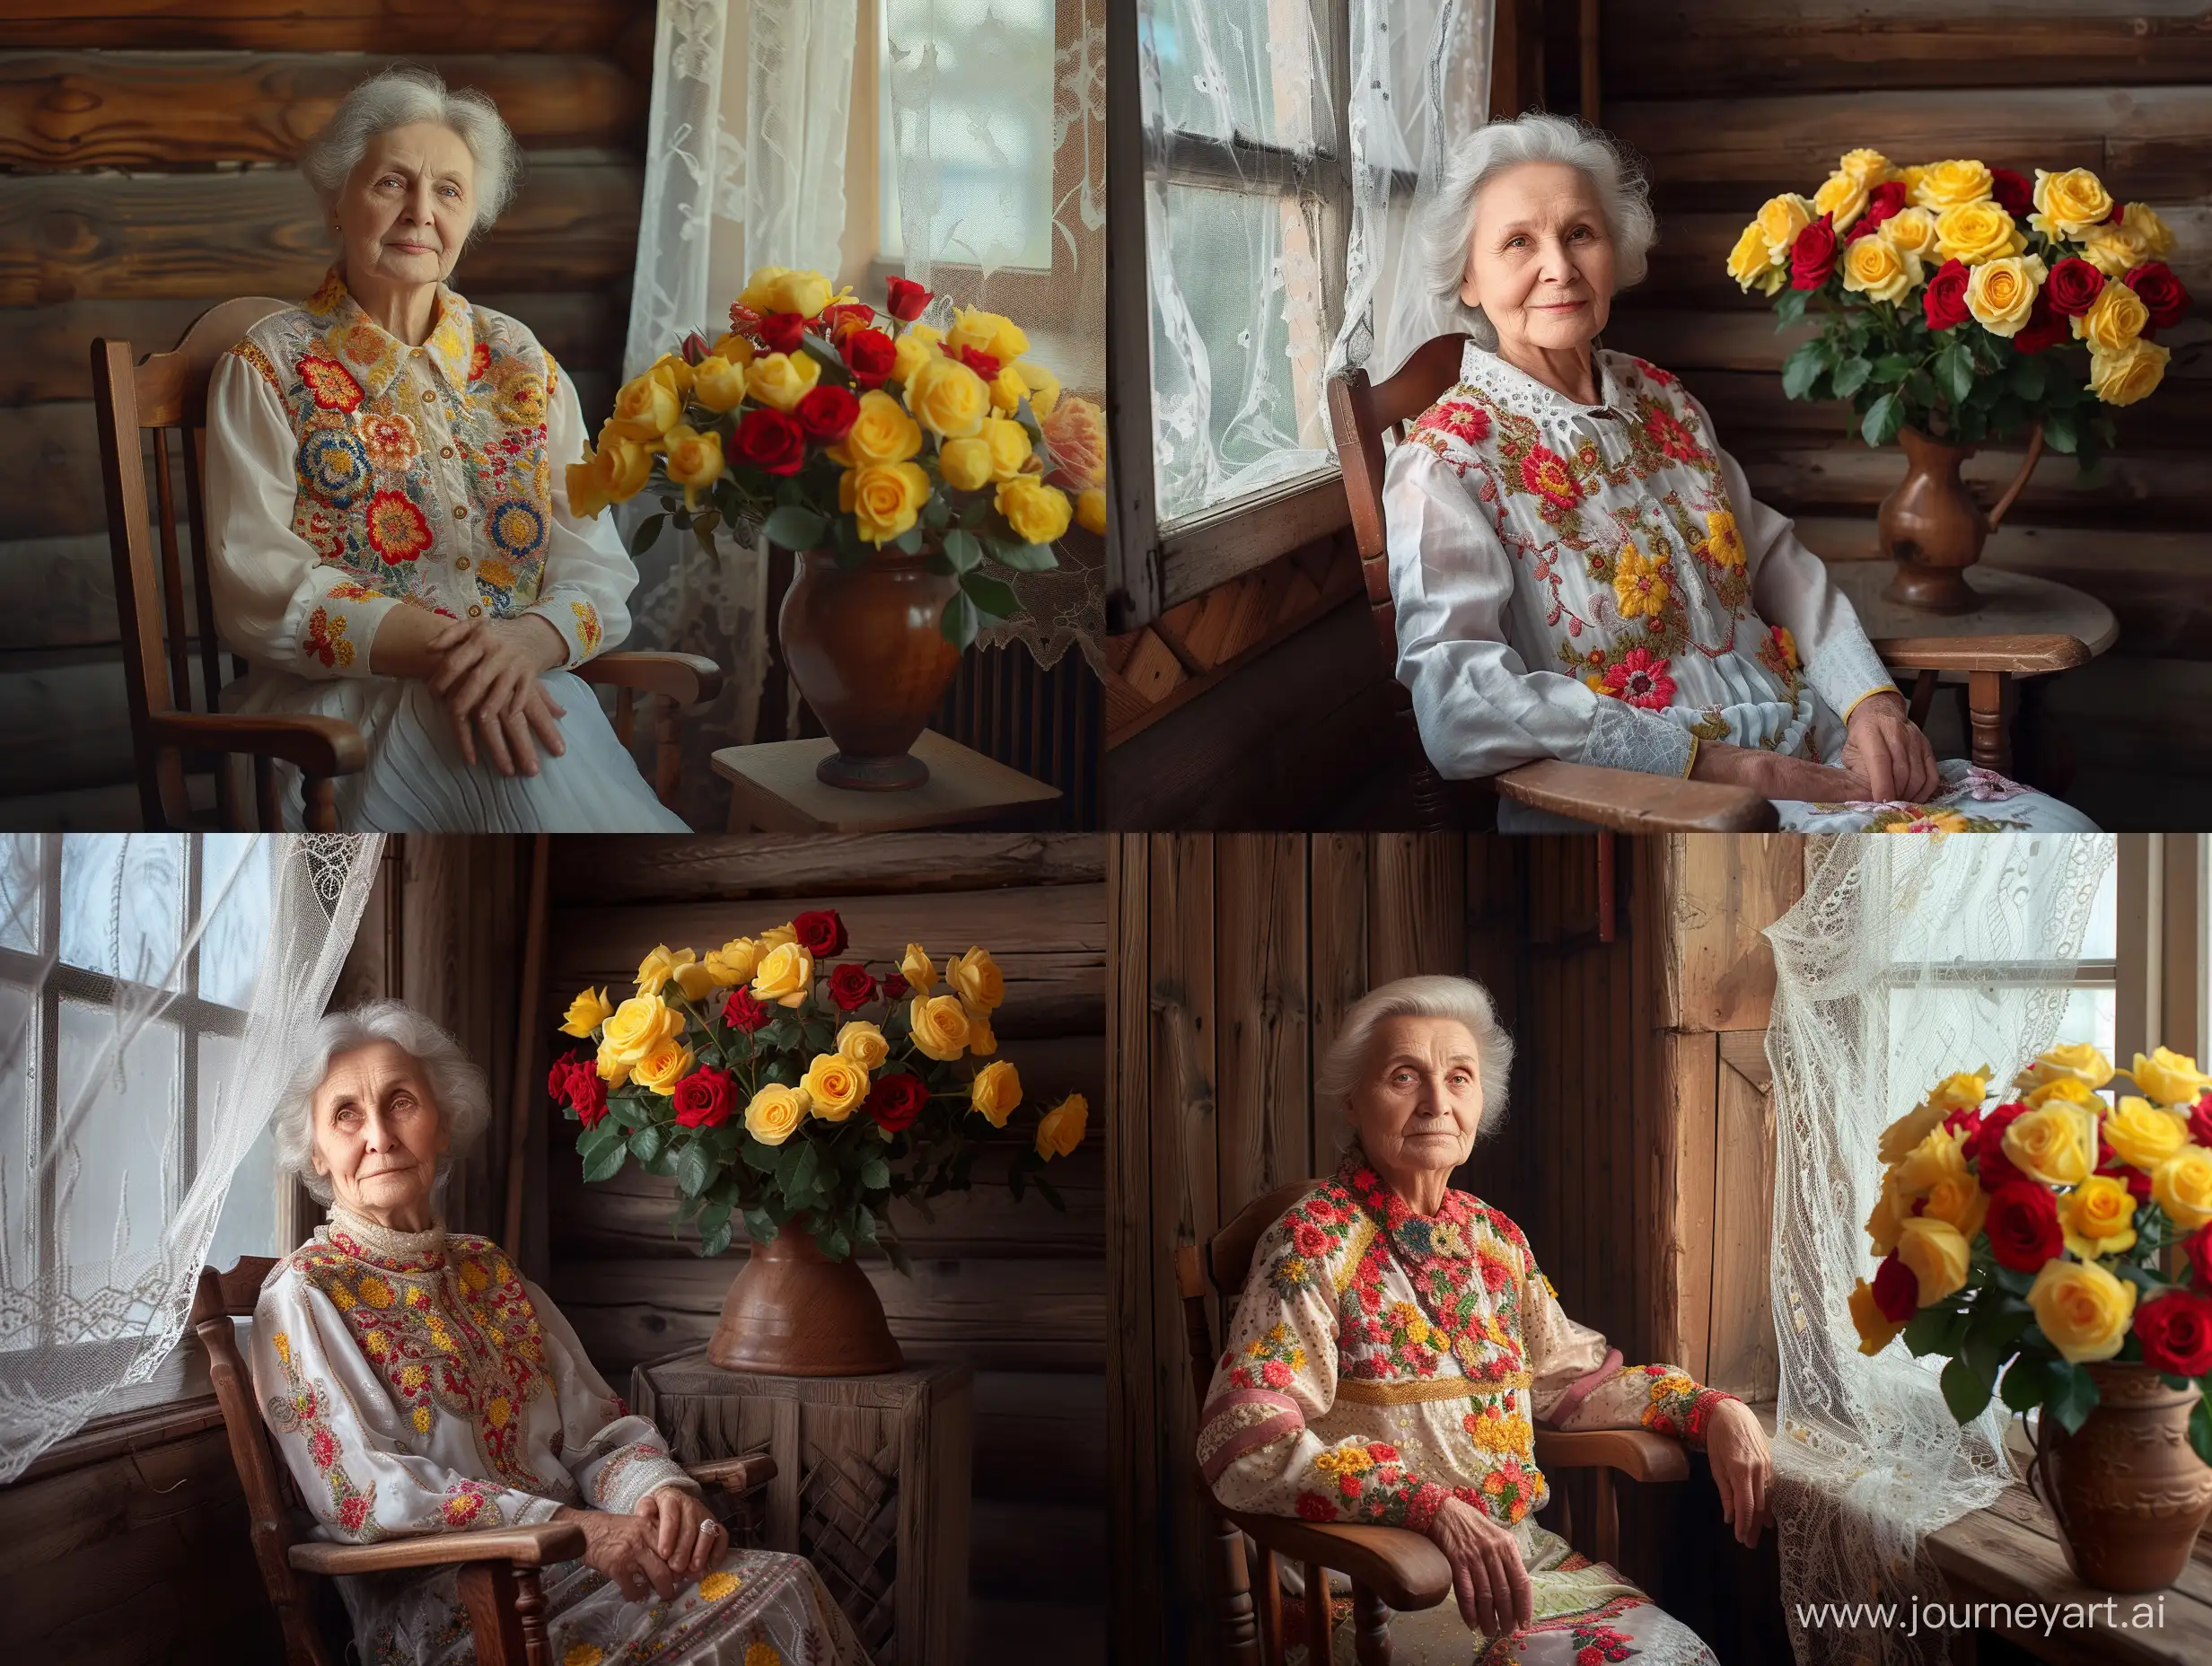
(1637, 1453)
(736, 1475)
(1628, 801)
(321, 746)
(1400, 1565)
(2021, 655)
(530, 1547)
(686, 678)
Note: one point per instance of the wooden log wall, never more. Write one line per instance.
(147, 171)
(1016, 1289)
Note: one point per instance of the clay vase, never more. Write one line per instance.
(2126, 1489)
(863, 646)
(792, 1311)
(1931, 527)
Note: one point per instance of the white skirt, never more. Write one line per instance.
(416, 780)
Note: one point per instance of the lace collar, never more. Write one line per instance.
(380, 1246)
(1514, 389)
(1419, 1239)
(373, 355)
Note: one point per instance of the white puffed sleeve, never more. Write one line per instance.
(1481, 709)
(276, 601)
(616, 1456)
(588, 579)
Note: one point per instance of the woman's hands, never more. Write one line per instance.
(669, 1541)
(1772, 775)
(485, 672)
(1883, 747)
(1487, 1576)
(1743, 1467)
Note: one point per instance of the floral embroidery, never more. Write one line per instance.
(1366, 1481)
(1724, 543)
(1511, 1489)
(1934, 819)
(1314, 1231)
(254, 356)
(326, 639)
(468, 1503)
(1594, 1645)
(587, 624)
(388, 439)
(1495, 1429)
(1546, 473)
(1460, 419)
(762, 1655)
(516, 526)
(304, 1410)
(1678, 1407)
(1640, 582)
(1986, 785)
(1640, 678)
(334, 467)
(1270, 1361)
(718, 1584)
(329, 295)
(1665, 430)
(519, 398)
(330, 384)
(398, 530)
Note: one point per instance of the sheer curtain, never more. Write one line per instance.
(1906, 959)
(154, 992)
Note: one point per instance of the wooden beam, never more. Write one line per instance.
(727, 867)
(426, 26)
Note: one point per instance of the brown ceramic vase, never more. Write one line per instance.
(2127, 1490)
(792, 1311)
(866, 651)
(1932, 528)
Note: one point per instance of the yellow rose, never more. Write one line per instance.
(917, 343)
(775, 1112)
(987, 332)
(1044, 387)
(2113, 250)
(663, 1068)
(781, 289)
(2144, 1135)
(1939, 1156)
(1878, 271)
(1009, 445)
(2068, 1089)
(586, 1014)
(1935, 1253)
(862, 1043)
(940, 1026)
(2141, 221)
(645, 408)
(1842, 199)
(976, 978)
(2055, 1143)
(1882, 1224)
(1090, 510)
(781, 379)
(995, 1092)
(676, 371)
(693, 460)
(1781, 219)
(613, 474)
(2115, 320)
(885, 498)
(1964, 1091)
(2068, 204)
(2083, 1309)
(581, 485)
(1869, 168)
(917, 969)
(1959, 1199)
(1008, 391)
(2001, 293)
(1060, 1129)
(1038, 512)
(2133, 373)
(733, 349)
(786, 975)
(881, 432)
(754, 296)
(1908, 176)
(734, 962)
(614, 1068)
(659, 965)
(2169, 1077)
(1976, 231)
(2081, 1061)
(982, 1039)
(1750, 259)
(1908, 1131)
(965, 464)
(834, 1084)
(948, 399)
(719, 383)
(637, 1026)
(1909, 232)
(2098, 1217)
(776, 936)
(2182, 1186)
(1876, 1331)
(1942, 185)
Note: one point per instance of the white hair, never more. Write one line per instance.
(1448, 221)
(400, 97)
(1344, 1068)
(457, 1087)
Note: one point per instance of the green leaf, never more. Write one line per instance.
(2073, 1399)
(803, 1168)
(1891, 369)
(1803, 369)
(1929, 1331)
(2200, 1428)
(1028, 558)
(1991, 1337)
(963, 550)
(960, 623)
(2023, 1387)
(1850, 377)
(714, 1240)
(647, 529)
(795, 528)
(1884, 418)
(992, 597)
(761, 1225)
(1954, 373)
(2029, 373)
(604, 1163)
(2060, 431)
(1965, 1390)
(874, 1174)
(908, 542)
(693, 1169)
(1789, 307)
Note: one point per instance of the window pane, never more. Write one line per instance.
(122, 900)
(123, 1160)
(248, 1224)
(20, 868)
(2091, 1015)
(236, 871)
(1255, 70)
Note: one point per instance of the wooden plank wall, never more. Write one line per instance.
(1015, 1289)
(1731, 101)
(147, 152)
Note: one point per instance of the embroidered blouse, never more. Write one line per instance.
(349, 474)
(418, 1384)
(1380, 1361)
(1597, 583)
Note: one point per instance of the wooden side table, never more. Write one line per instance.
(871, 1484)
(773, 789)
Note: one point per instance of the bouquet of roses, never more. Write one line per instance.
(772, 1085)
(1957, 299)
(2025, 1242)
(828, 427)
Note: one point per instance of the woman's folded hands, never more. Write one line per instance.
(1885, 758)
(669, 1541)
(1488, 1574)
(487, 671)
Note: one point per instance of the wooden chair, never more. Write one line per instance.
(1622, 800)
(499, 1575)
(168, 392)
(1391, 1568)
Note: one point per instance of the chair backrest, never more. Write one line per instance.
(220, 1298)
(1224, 1262)
(164, 392)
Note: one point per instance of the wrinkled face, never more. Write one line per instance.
(408, 205)
(1540, 262)
(377, 1133)
(1420, 1101)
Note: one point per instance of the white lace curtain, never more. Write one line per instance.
(156, 990)
(1906, 959)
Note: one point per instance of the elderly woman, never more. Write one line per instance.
(1580, 571)
(391, 540)
(419, 1384)
(1395, 1345)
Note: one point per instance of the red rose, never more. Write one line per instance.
(1985, 1146)
(2023, 1225)
(1813, 257)
(556, 1079)
(744, 1011)
(2200, 1121)
(1897, 1293)
(2198, 1245)
(2046, 327)
(851, 986)
(2014, 195)
(819, 932)
(906, 301)
(587, 1093)
(984, 364)
(870, 354)
(2110, 1165)
(1967, 1117)
(895, 987)
(2073, 286)
(1883, 202)
(704, 1098)
(894, 1100)
(781, 331)
(1944, 298)
(2160, 291)
(842, 319)
(827, 413)
(769, 441)
(694, 347)
(2176, 1332)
